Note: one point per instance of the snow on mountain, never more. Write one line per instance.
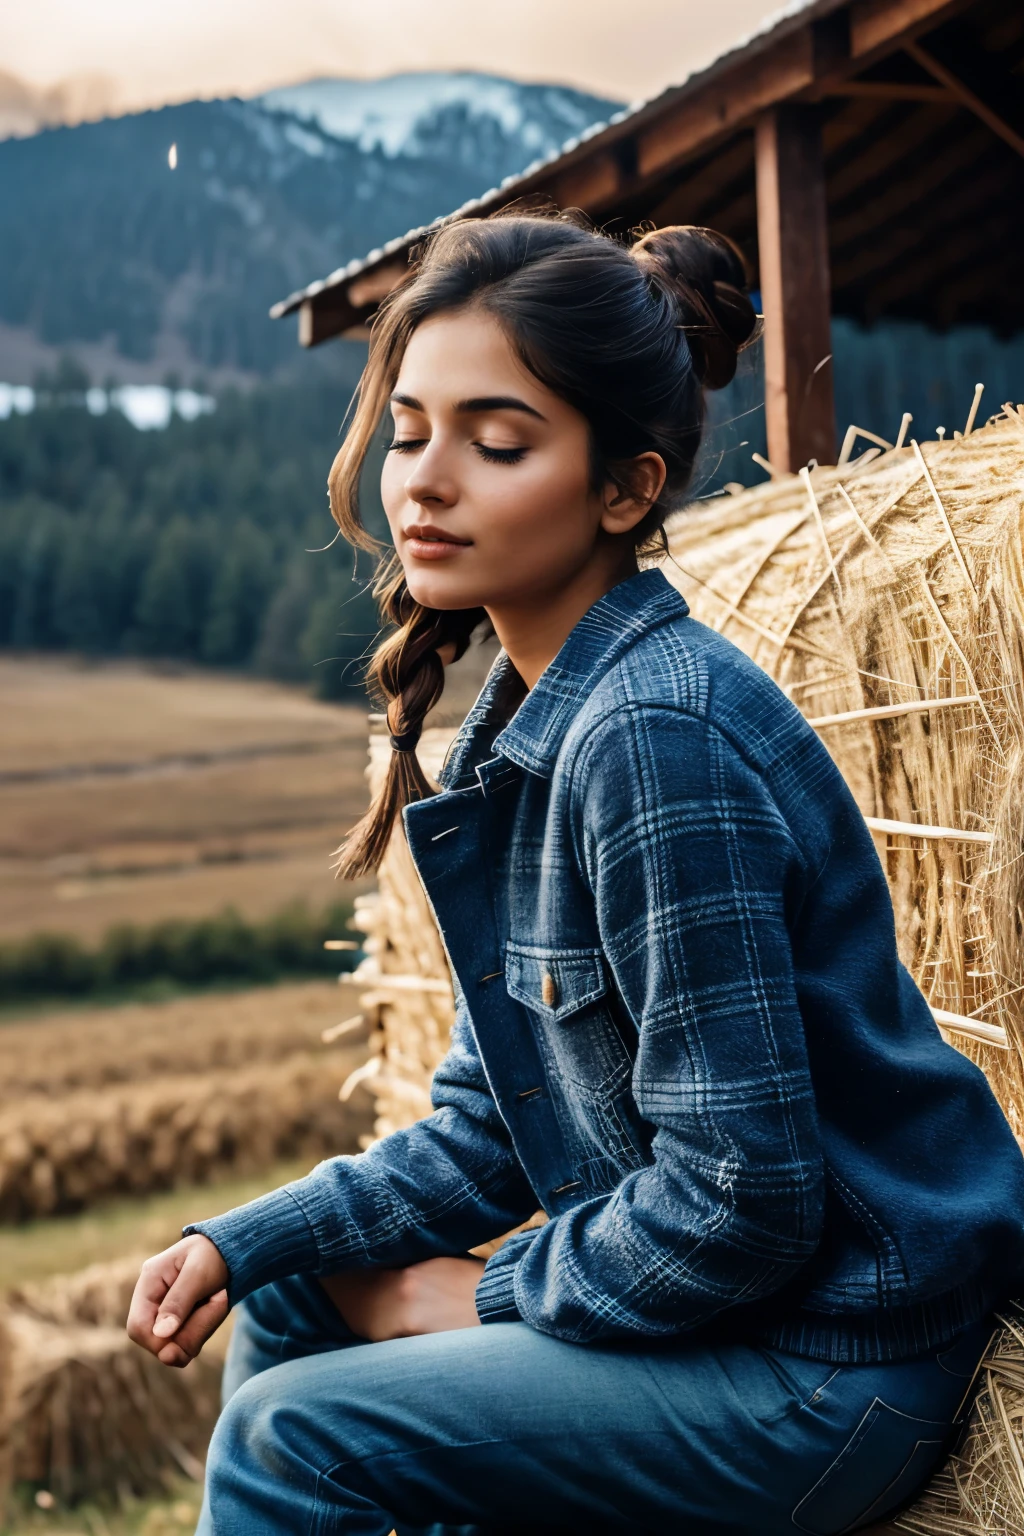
(395, 114)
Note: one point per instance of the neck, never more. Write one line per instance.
(533, 632)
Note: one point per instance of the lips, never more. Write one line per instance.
(425, 542)
(426, 533)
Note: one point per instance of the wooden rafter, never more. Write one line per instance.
(966, 96)
(886, 151)
(914, 237)
(906, 185)
(892, 90)
(687, 155)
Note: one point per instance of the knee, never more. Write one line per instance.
(265, 1426)
(261, 1470)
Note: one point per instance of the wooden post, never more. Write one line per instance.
(792, 235)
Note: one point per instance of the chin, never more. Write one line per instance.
(434, 591)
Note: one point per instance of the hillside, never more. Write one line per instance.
(108, 251)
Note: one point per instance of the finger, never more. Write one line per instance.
(204, 1321)
(155, 1279)
(173, 1356)
(191, 1286)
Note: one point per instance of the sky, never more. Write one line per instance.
(125, 55)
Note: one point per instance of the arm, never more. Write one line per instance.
(692, 867)
(435, 1188)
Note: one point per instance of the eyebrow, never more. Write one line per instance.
(476, 406)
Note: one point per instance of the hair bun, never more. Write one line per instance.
(706, 277)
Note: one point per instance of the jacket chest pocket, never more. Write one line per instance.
(566, 991)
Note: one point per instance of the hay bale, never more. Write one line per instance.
(981, 1488)
(83, 1411)
(888, 603)
(61, 1154)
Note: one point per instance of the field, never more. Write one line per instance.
(129, 1100)
(118, 1125)
(133, 794)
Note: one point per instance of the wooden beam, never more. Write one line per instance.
(922, 238)
(889, 153)
(885, 201)
(792, 233)
(876, 25)
(892, 90)
(589, 185)
(726, 103)
(372, 286)
(966, 96)
(976, 237)
(320, 321)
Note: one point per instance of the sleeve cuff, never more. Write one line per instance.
(263, 1241)
(495, 1296)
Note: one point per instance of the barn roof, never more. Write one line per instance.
(922, 123)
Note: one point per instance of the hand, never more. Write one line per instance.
(179, 1300)
(432, 1297)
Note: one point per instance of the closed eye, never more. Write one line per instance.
(406, 444)
(499, 455)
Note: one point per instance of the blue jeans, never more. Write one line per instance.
(501, 1429)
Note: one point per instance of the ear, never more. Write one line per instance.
(636, 488)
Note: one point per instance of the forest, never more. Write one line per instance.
(204, 542)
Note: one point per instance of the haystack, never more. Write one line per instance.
(886, 597)
(85, 1413)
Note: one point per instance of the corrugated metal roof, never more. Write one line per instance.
(775, 25)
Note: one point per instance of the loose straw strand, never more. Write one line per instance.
(805, 476)
(972, 680)
(943, 514)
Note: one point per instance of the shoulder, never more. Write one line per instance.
(684, 679)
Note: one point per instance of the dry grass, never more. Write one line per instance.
(59, 1053)
(981, 1489)
(132, 795)
(87, 1411)
(62, 1154)
(173, 1513)
(926, 605)
(62, 713)
(117, 1101)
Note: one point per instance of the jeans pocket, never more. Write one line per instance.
(887, 1459)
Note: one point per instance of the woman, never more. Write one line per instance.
(683, 1031)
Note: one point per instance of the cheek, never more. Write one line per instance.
(392, 488)
(546, 496)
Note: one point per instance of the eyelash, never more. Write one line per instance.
(499, 455)
(490, 455)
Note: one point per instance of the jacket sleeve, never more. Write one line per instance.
(694, 874)
(440, 1186)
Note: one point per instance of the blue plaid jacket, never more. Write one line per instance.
(682, 1030)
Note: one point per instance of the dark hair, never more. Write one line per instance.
(628, 336)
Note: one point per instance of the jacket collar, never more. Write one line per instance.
(533, 736)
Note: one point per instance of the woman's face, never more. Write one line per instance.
(487, 483)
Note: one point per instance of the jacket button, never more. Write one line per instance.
(548, 990)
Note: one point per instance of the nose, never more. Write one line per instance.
(429, 483)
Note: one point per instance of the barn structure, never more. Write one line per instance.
(867, 155)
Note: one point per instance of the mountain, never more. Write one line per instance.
(138, 267)
(402, 114)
